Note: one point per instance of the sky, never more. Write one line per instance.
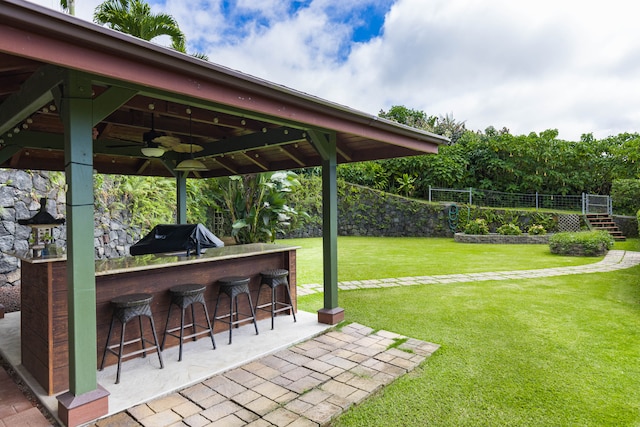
(527, 65)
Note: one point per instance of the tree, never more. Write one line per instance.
(68, 6)
(410, 117)
(134, 17)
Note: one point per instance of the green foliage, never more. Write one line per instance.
(477, 226)
(496, 217)
(625, 196)
(406, 185)
(589, 243)
(537, 230)
(257, 204)
(509, 230)
(497, 160)
(134, 17)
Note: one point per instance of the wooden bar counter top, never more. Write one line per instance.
(44, 296)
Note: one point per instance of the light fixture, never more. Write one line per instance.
(153, 150)
(191, 164)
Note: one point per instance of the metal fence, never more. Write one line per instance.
(584, 203)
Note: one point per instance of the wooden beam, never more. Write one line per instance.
(33, 94)
(255, 159)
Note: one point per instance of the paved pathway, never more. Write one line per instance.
(306, 385)
(614, 260)
(15, 408)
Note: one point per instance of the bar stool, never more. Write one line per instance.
(184, 296)
(232, 287)
(273, 279)
(125, 308)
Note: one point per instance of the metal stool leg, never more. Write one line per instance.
(155, 341)
(144, 353)
(166, 327)
(122, 331)
(181, 334)
(206, 316)
(293, 312)
(253, 313)
(106, 346)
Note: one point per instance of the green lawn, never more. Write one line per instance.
(561, 351)
(361, 258)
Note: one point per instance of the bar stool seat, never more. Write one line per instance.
(232, 287)
(125, 308)
(185, 296)
(274, 278)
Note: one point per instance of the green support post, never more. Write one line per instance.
(330, 230)
(181, 197)
(76, 110)
(325, 144)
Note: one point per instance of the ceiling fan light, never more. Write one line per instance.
(191, 165)
(152, 151)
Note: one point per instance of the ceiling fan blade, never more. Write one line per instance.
(187, 148)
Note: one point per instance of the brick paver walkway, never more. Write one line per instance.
(614, 260)
(306, 385)
(15, 408)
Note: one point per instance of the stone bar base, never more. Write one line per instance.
(331, 316)
(77, 410)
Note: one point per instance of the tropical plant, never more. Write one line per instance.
(406, 185)
(68, 6)
(477, 226)
(509, 229)
(134, 17)
(257, 204)
(537, 230)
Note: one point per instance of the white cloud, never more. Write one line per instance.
(527, 65)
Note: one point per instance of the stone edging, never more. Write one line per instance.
(500, 238)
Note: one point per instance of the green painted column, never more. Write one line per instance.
(325, 144)
(76, 109)
(330, 228)
(181, 197)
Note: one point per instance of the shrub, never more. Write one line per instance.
(625, 196)
(537, 230)
(585, 243)
(509, 230)
(477, 226)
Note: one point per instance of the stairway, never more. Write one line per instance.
(605, 222)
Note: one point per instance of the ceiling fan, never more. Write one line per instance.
(157, 143)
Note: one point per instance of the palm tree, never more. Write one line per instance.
(134, 17)
(68, 6)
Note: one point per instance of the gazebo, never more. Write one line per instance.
(80, 98)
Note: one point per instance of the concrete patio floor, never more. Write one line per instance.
(299, 374)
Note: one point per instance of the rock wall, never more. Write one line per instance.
(363, 211)
(20, 194)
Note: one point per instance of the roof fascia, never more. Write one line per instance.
(101, 51)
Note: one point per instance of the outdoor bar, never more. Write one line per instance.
(73, 111)
(44, 318)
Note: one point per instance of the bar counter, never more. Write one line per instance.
(44, 313)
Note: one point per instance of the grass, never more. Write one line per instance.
(362, 258)
(557, 351)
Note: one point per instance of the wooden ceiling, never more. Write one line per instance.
(238, 124)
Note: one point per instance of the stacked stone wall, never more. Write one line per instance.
(20, 194)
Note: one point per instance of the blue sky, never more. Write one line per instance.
(528, 65)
